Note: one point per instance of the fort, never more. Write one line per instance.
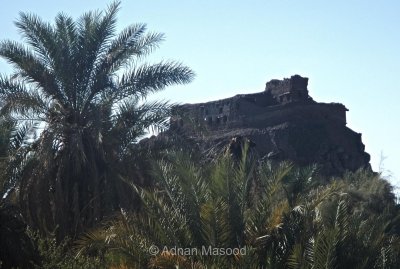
(283, 121)
(282, 100)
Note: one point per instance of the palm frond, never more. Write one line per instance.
(147, 79)
(31, 69)
(131, 42)
(19, 100)
(40, 36)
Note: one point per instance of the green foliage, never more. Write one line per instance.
(284, 216)
(58, 255)
(82, 87)
(16, 247)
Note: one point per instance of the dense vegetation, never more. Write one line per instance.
(78, 192)
(84, 86)
(284, 217)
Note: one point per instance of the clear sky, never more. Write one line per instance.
(349, 50)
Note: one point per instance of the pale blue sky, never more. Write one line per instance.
(348, 49)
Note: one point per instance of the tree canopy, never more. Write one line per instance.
(82, 86)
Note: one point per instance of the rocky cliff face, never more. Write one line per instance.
(283, 122)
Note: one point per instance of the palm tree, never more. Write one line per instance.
(17, 249)
(346, 239)
(83, 85)
(226, 204)
(285, 217)
(5, 135)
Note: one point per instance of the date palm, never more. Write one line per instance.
(285, 217)
(224, 204)
(84, 86)
(17, 249)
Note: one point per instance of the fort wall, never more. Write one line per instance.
(282, 101)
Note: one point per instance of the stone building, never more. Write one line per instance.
(281, 100)
(283, 121)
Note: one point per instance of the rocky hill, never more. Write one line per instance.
(283, 121)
